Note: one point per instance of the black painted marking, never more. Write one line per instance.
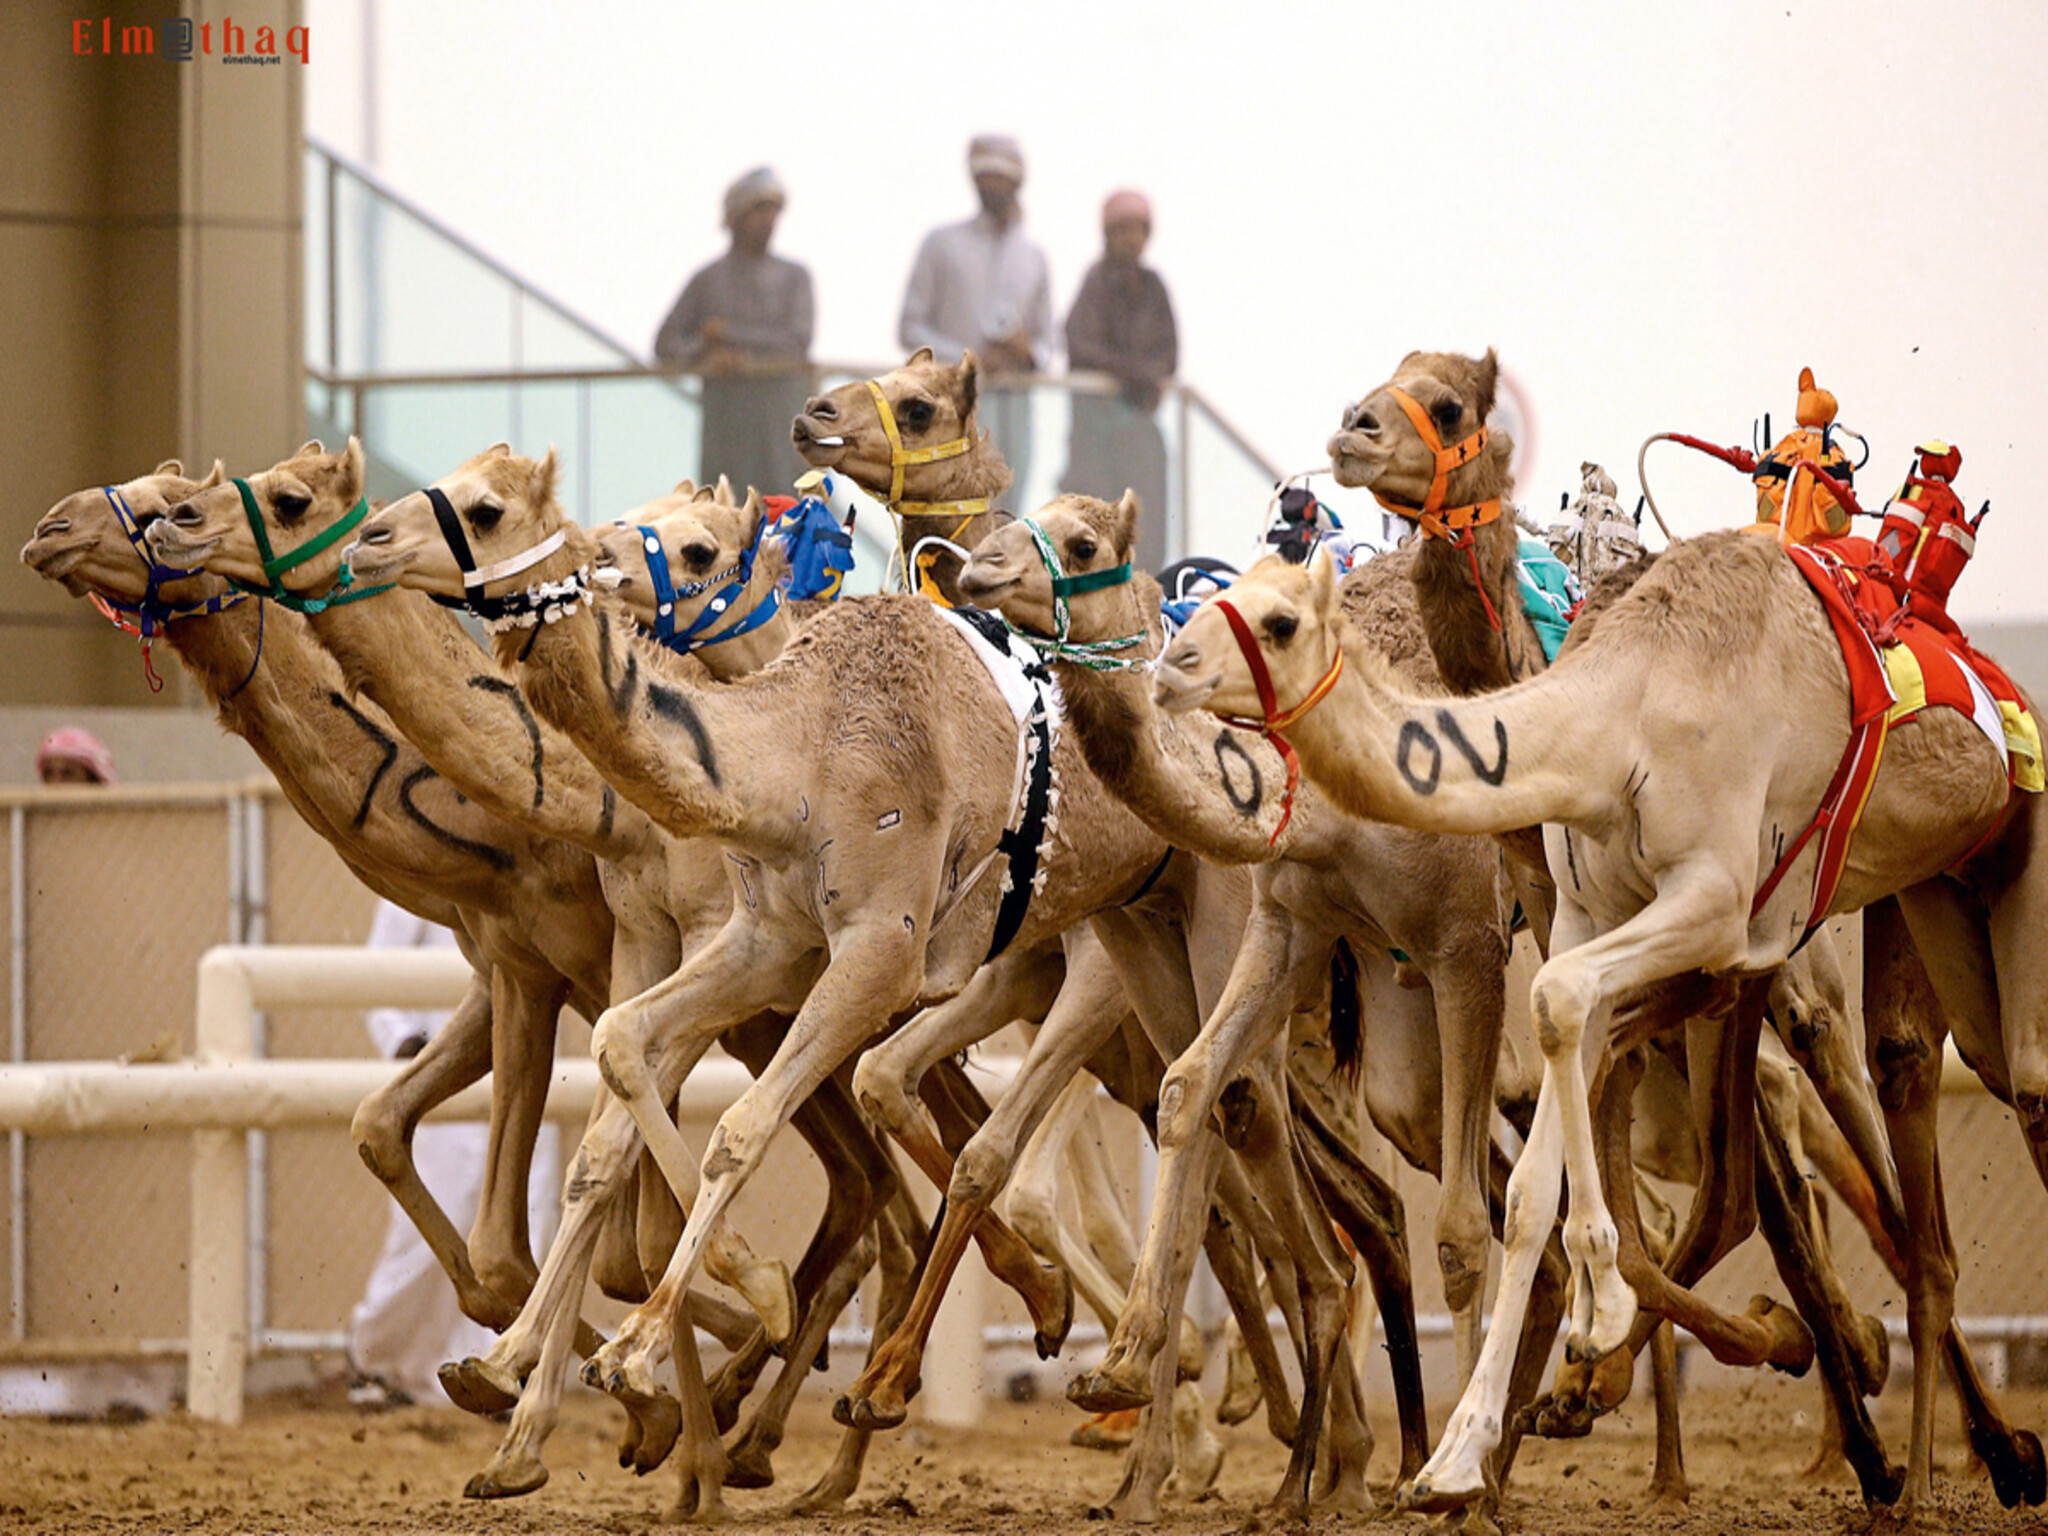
(746, 885)
(377, 734)
(1227, 748)
(1571, 861)
(1412, 732)
(826, 894)
(610, 804)
(504, 690)
(674, 706)
(803, 807)
(1448, 724)
(1635, 789)
(620, 689)
(497, 858)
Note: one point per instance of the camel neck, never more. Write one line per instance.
(1472, 610)
(677, 751)
(1486, 765)
(466, 715)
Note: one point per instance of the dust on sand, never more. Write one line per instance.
(313, 1464)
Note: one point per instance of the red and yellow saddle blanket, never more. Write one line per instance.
(1917, 666)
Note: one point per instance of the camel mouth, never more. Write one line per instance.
(176, 546)
(820, 449)
(1355, 460)
(1175, 689)
(373, 559)
(983, 587)
(49, 556)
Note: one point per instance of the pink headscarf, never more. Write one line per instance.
(1127, 204)
(75, 744)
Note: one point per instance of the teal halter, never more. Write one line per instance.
(275, 566)
(1095, 655)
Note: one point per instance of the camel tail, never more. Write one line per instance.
(1347, 1016)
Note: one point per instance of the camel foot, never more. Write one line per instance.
(856, 1410)
(507, 1477)
(1050, 1339)
(1791, 1346)
(747, 1465)
(1870, 1351)
(1122, 1380)
(1425, 1495)
(827, 1496)
(476, 1386)
(659, 1416)
(1106, 1431)
(2019, 1474)
(1830, 1463)
(1556, 1416)
(1667, 1502)
(1242, 1392)
(699, 1502)
(1197, 1453)
(1480, 1519)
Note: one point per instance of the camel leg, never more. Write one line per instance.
(886, 1082)
(1670, 1493)
(1105, 1223)
(1032, 1194)
(1084, 1013)
(1694, 923)
(1271, 969)
(876, 969)
(899, 1232)
(524, 1012)
(1230, 1258)
(725, 983)
(1921, 976)
(457, 1055)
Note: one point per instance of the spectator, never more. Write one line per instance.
(73, 755)
(408, 1321)
(1122, 325)
(982, 284)
(745, 323)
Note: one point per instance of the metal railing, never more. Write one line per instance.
(429, 349)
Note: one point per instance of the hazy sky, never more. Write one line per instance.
(1657, 212)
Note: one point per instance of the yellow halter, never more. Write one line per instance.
(967, 509)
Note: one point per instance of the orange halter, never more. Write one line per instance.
(1456, 524)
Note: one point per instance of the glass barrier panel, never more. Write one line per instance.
(551, 341)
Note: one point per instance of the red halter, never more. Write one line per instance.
(1275, 719)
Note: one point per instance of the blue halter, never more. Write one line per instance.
(735, 581)
(147, 618)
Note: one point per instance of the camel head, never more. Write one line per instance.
(287, 542)
(704, 537)
(83, 543)
(1008, 571)
(1291, 614)
(1381, 447)
(504, 507)
(941, 453)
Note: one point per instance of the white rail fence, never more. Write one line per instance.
(227, 1092)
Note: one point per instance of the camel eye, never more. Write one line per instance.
(1282, 627)
(1081, 549)
(290, 506)
(484, 516)
(698, 555)
(1447, 413)
(917, 415)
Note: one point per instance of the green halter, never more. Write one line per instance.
(1095, 655)
(275, 566)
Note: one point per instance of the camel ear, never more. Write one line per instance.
(921, 355)
(1485, 382)
(724, 491)
(311, 445)
(704, 493)
(970, 383)
(1124, 530)
(540, 485)
(685, 487)
(752, 513)
(497, 450)
(354, 464)
(1322, 584)
(215, 475)
(170, 467)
